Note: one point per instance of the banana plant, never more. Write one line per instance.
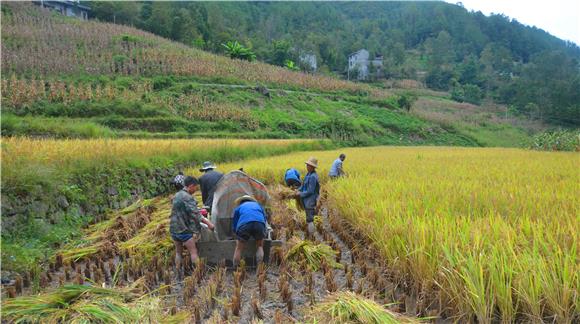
(238, 51)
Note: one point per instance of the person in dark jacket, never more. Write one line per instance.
(249, 221)
(208, 182)
(292, 178)
(309, 192)
(185, 222)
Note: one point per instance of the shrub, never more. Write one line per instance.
(564, 140)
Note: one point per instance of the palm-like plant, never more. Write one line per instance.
(238, 51)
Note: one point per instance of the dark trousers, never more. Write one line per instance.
(310, 213)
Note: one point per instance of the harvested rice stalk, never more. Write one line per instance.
(348, 307)
(313, 254)
(256, 307)
(236, 303)
(329, 280)
(81, 304)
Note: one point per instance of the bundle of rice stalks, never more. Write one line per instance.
(82, 304)
(313, 255)
(347, 307)
(283, 193)
(103, 238)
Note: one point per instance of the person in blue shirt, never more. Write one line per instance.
(292, 178)
(336, 170)
(309, 192)
(249, 221)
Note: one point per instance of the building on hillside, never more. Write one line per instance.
(308, 60)
(361, 67)
(71, 8)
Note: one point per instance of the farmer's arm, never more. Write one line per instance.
(191, 207)
(309, 187)
(235, 219)
(339, 168)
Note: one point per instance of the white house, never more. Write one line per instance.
(309, 60)
(360, 64)
(71, 8)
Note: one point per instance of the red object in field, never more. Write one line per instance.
(203, 212)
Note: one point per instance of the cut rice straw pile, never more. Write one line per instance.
(313, 254)
(348, 307)
(85, 304)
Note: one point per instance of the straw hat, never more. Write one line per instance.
(243, 198)
(312, 162)
(207, 165)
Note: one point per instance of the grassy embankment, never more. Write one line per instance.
(65, 78)
(487, 234)
(39, 176)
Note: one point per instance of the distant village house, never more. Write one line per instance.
(360, 67)
(308, 60)
(71, 8)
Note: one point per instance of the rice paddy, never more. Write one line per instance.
(464, 235)
(486, 234)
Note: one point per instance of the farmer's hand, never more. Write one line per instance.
(296, 194)
(211, 226)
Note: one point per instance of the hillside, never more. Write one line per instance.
(445, 46)
(66, 78)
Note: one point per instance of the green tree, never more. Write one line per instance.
(280, 52)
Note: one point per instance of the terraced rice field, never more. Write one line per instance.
(458, 234)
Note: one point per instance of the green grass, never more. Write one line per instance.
(159, 113)
(497, 135)
(53, 127)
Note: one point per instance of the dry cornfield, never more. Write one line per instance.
(39, 44)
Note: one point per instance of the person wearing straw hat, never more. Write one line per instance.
(249, 221)
(208, 182)
(309, 192)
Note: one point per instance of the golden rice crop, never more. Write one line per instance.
(70, 151)
(491, 234)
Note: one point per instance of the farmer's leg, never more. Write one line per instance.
(178, 252)
(259, 235)
(310, 219)
(238, 252)
(259, 251)
(190, 245)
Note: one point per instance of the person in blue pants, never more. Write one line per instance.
(249, 221)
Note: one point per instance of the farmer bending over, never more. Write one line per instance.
(292, 178)
(336, 170)
(249, 221)
(186, 219)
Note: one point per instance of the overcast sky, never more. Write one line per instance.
(560, 18)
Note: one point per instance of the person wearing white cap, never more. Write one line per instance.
(249, 221)
(309, 192)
